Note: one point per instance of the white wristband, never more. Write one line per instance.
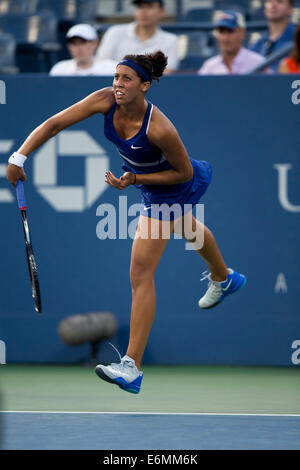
(17, 159)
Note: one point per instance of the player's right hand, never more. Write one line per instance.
(15, 173)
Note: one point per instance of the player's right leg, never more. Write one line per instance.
(147, 249)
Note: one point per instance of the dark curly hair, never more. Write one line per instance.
(155, 63)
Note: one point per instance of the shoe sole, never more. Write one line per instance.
(217, 303)
(103, 376)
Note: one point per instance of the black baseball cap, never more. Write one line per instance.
(137, 2)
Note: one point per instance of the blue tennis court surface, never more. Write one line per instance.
(133, 431)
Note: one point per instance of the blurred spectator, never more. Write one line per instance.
(281, 30)
(234, 58)
(291, 64)
(82, 40)
(142, 36)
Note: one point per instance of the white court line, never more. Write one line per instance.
(154, 413)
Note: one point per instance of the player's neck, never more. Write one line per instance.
(134, 110)
(145, 32)
(276, 28)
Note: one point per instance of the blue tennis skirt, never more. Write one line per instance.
(168, 202)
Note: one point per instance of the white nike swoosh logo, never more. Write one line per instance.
(135, 148)
(146, 208)
(227, 287)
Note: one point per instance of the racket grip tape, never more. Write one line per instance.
(21, 195)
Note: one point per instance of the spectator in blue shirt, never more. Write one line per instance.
(281, 30)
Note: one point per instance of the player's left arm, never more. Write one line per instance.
(163, 134)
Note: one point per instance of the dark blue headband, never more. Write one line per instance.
(138, 69)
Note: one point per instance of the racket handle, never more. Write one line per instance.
(21, 195)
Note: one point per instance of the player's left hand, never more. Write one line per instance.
(119, 183)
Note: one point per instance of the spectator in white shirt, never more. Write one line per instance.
(82, 41)
(142, 36)
(234, 58)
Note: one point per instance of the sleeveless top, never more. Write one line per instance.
(138, 154)
(292, 65)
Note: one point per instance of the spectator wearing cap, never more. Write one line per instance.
(233, 58)
(280, 29)
(141, 36)
(82, 41)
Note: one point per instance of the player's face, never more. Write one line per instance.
(80, 49)
(277, 10)
(148, 14)
(127, 85)
(230, 41)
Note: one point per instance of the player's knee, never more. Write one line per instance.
(139, 273)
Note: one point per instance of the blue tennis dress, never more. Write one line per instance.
(140, 157)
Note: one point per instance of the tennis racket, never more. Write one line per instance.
(35, 287)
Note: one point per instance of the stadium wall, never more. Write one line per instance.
(248, 129)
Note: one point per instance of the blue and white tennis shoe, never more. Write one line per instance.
(217, 291)
(125, 374)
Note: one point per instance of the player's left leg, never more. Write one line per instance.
(222, 280)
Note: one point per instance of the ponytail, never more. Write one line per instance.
(154, 64)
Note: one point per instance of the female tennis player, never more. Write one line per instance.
(155, 160)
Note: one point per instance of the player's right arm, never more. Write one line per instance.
(98, 102)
